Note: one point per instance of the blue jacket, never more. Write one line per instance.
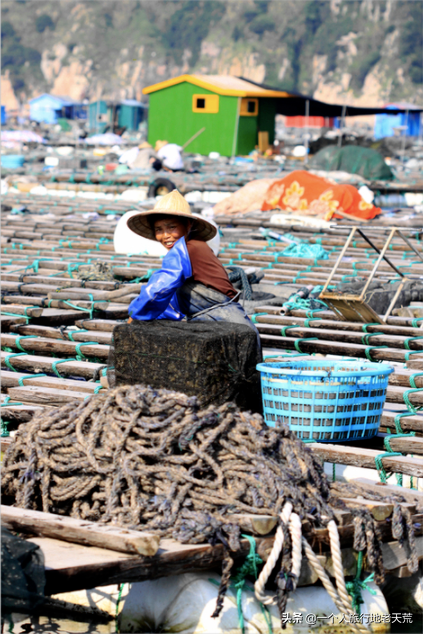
(157, 299)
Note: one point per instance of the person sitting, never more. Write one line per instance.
(192, 282)
(170, 156)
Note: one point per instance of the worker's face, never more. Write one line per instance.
(169, 230)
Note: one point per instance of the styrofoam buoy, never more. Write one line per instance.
(186, 602)
(126, 241)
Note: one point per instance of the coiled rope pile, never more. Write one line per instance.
(152, 460)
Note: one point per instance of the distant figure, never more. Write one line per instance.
(145, 158)
(170, 156)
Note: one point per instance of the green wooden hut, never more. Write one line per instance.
(234, 115)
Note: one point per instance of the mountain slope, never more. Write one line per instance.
(365, 51)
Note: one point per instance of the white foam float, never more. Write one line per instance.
(185, 603)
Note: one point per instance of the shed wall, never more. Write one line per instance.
(171, 118)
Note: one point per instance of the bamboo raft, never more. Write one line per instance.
(57, 331)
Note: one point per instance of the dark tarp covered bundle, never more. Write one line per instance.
(22, 574)
(379, 296)
(354, 160)
(214, 361)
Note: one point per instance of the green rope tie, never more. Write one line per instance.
(9, 356)
(297, 342)
(310, 313)
(79, 354)
(20, 337)
(365, 326)
(416, 321)
(355, 586)
(307, 321)
(254, 317)
(56, 362)
(98, 388)
(29, 376)
(407, 354)
(383, 475)
(407, 341)
(15, 315)
(238, 581)
(4, 431)
(7, 400)
(70, 334)
(285, 328)
(397, 421)
(119, 598)
(365, 338)
(368, 350)
(410, 406)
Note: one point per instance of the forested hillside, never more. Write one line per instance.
(364, 50)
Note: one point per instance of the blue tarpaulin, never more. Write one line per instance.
(410, 120)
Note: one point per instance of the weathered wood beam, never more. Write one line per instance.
(78, 531)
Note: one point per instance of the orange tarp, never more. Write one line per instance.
(306, 193)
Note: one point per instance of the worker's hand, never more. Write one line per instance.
(130, 320)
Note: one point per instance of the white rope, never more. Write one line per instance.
(338, 569)
(328, 586)
(338, 566)
(272, 558)
(296, 535)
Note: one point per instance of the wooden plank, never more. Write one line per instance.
(79, 531)
(265, 325)
(379, 510)
(6, 321)
(408, 423)
(395, 394)
(19, 413)
(75, 567)
(410, 495)
(44, 395)
(45, 344)
(11, 379)
(359, 457)
(64, 335)
(38, 363)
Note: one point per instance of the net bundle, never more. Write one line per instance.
(154, 460)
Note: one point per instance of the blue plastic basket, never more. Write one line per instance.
(324, 400)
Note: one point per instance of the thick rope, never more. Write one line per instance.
(328, 586)
(296, 535)
(273, 557)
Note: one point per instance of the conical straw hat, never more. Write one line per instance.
(173, 204)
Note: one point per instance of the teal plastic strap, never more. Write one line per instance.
(407, 342)
(15, 315)
(369, 349)
(307, 321)
(29, 376)
(416, 321)
(254, 317)
(297, 342)
(365, 338)
(383, 474)
(407, 354)
(56, 362)
(71, 333)
(9, 356)
(19, 339)
(365, 326)
(79, 354)
(285, 328)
